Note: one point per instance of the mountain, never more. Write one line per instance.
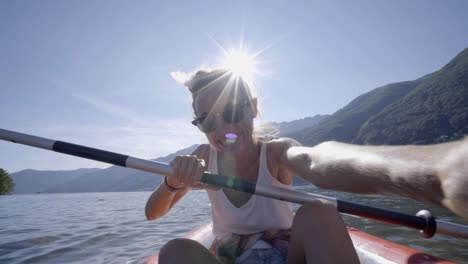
(116, 179)
(433, 108)
(434, 111)
(344, 125)
(33, 181)
(285, 128)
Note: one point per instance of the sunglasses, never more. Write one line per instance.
(232, 114)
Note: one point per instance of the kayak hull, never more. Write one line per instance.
(370, 249)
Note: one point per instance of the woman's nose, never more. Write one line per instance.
(224, 126)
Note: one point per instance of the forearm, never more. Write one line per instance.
(410, 171)
(161, 201)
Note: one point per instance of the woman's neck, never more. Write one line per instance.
(241, 160)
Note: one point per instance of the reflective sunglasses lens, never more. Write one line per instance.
(232, 114)
(207, 125)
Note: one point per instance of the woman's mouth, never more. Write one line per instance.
(229, 141)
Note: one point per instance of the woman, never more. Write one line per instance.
(251, 229)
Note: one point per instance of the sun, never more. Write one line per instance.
(240, 63)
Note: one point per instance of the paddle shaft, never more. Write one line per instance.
(425, 223)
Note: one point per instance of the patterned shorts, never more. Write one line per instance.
(275, 255)
(241, 249)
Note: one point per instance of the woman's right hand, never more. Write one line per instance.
(187, 171)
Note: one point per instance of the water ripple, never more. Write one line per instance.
(30, 242)
(93, 228)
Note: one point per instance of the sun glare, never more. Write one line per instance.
(240, 63)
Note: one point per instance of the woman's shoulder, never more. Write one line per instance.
(277, 148)
(276, 157)
(279, 145)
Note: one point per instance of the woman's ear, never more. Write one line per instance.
(253, 104)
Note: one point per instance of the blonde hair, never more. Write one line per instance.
(205, 79)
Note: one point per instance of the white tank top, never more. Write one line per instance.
(257, 214)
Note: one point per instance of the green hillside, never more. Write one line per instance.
(435, 111)
(431, 109)
(345, 124)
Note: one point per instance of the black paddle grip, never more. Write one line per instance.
(90, 153)
(382, 215)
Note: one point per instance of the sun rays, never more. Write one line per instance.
(234, 71)
(241, 64)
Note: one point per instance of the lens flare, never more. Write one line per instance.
(231, 138)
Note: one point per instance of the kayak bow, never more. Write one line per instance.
(370, 249)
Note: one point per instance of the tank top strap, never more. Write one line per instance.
(213, 161)
(263, 164)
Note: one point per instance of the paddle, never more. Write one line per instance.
(423, 221)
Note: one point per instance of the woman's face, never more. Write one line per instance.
(228, 115)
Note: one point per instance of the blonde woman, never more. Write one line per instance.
(254, 229)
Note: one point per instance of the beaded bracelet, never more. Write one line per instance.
(170, 188)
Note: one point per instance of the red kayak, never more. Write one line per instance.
(370, 249)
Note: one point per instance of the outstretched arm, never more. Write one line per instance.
(437, 174)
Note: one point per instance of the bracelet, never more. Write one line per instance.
(170, 188)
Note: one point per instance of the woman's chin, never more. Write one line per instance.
(228, 146)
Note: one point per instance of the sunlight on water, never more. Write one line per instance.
(112, 228)
(90, 227)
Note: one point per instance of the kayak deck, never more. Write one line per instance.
(370, 249)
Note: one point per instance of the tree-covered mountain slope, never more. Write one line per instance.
(431, 109)
(345, 124)
(435, 111)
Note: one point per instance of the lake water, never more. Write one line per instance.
(112, 228)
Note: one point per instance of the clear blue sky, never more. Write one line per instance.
(97, 73)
